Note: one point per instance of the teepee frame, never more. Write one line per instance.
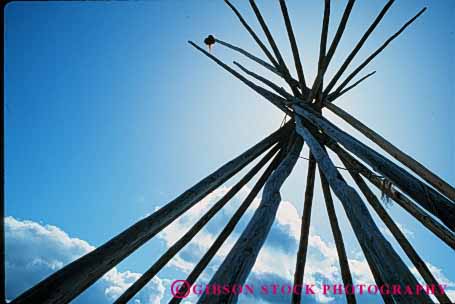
(427, 197)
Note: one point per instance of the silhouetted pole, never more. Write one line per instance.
(338, 237)
(304, 230)
(242, 256)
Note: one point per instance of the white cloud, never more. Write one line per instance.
(408, 233)
(277, 258)
(33, 251)
(451, 294)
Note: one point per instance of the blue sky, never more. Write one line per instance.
(109, 113)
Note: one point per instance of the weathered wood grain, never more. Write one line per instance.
(240, 260)
(399, 155)
(424, 195)
(398, 235)
(423, 217)
(230, 226)
(375, 247)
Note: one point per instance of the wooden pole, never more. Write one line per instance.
(65, 284)
(334, 96)
(261, 62)
(426, 196)
(288, 96)
(338, 237)
(339, 32)
(276, 51)
(188, 236)
(399, 155)
(269, 36)
(324, 34)
(304, 230)
(375, 247)
(2, 234)
(250, 56)
(240, 260)
(272, 97)
(379, 50)
(273, 86)
(333, 46)
(230, 226)
(253, 34)
(323, 50)
(398, 235)
(423, 217)
(292, 41)
(357, 48)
